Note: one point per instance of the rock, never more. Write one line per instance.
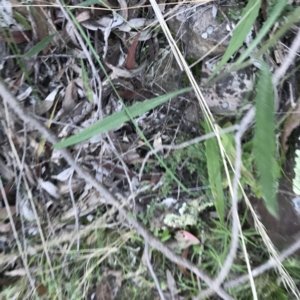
(199, 30)
(228, 94)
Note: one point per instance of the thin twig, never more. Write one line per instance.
(110, 199)
(161, 294)
(288, 60)
(185, 144)
(271, 263)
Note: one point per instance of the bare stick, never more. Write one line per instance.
(110, 199)
(280, 72)
(161, 294)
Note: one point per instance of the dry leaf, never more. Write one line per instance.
(183, 269)
(49, 187)
(3, 212)
(70, 98)
(70, 32)
(5, 228)
(64, 175)
(103, 291)
(130, 63)
(41, 289)
(39, 16)
(83, 16)
(18, 37)
(125, 73)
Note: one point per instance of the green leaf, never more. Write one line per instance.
(85, 81)
(213, 158)
(264, 139)
(116, 119)
(21, 20)
(278, 8)
(249, 15)
(40, 46)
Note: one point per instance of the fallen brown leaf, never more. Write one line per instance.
(131, 53)
(103, 291)
(183, 269)
(39, 16)
(70, 98)
(5, 228)
(17, 37)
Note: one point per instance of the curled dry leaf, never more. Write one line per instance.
(134, 24)
(125, 73)
(26, 210)
(124, 10)
(70, 98)
(70, 31)
(64, 175)
(25, 94)
(291, 123)
(49, 187)
(144, 36)
(83, 16)
(130, 63)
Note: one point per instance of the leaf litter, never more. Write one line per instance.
(49, 73)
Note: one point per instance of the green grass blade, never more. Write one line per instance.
(22, 20)
(264, 138)
(117, 119)
(40, 46)
(265, 29)
(249, 15)
(213, 157)
(85, 82)
(291, 19)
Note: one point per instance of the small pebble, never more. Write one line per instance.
(210, 30)
(204, 35)
(225, 105)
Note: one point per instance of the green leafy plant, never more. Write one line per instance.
(213, 157)
(249, 15)
(264, 138)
